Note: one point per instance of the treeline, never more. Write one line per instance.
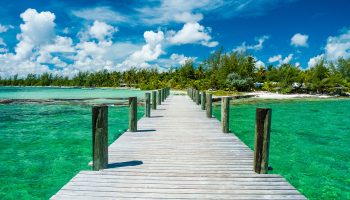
(220, 71)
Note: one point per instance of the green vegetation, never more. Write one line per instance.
(229, 72)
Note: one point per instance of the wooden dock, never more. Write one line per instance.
(178, 153)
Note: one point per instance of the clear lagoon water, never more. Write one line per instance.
(310, 142)
(44, 145)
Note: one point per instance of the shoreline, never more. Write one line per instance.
(264, 95)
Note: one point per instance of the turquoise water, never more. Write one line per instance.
(65, 93)
(44, 146)
(310, 143)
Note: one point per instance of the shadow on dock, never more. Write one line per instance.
(146, 130)
(125, 164)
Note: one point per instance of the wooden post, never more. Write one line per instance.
(100, 137)
(262, 140)
(198, 97)
(163, 94)
(132, 114)
(225, 114)
(148, 104)
(159, 99)
(203, 99)
(194, 95)
(209, 101)
(154, 100)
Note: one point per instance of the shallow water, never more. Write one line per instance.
(44, 146)
(309, 143)
(65, 93)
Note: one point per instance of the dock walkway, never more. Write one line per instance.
(178, 153)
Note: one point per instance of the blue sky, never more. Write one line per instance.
(66, 37)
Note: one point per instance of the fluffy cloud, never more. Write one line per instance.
(192, 33)
(41, 49)
(259, 63)
(37, 30)
(149, 52)
(275, 58)
(102, 31)
(338, 46)
(315, 60)
(180, 58)
(299, 40)
(244, 47)
(280, 59)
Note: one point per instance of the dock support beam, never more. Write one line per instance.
(100, 137)
(225, 114)
(198, 97)
(159, 99)
(209, 108)
(132, 114)
(154, 100)
(163, 94)
(148, 104)
(203, 100)
(262, 140)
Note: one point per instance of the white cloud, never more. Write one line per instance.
(338, 46)
(102, 31)
(244, 47)
(180, 58)
(275, 58)
(287, 59)
(315, 60)
(151, 50)
(278, 58)
(5, 28)
(2, 42)
(259, 63)
(192, 33)
(188, 17)
(37, 30)
(105, 14)
(172, 11)
(299, 40)
(165, 11)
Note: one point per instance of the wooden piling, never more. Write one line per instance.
(209, 101)
(203, 100)
(100, 137)
(225, 114)
(154, 100)
(132, 114)
(198, 97)
(163, 94)
(262, 140)
(148, 104)
(159, 97)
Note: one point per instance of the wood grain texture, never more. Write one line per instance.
(100, 137)
(225, 114)
(203, 100)
(132, 114)
(178, 153)
(154, 100)
(262, 140)
(209, 105)
(159, 97)
(147, 104)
